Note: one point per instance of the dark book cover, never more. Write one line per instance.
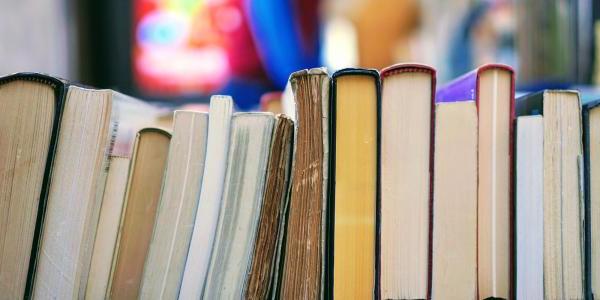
(585, 114)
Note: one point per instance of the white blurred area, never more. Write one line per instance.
(37, 35)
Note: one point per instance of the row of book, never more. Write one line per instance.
(370, 185)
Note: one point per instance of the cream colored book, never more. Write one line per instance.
(529, 207)
(492, 88)
(177, 207)
(211, 194)
(562, 190)
(406, 118)
(454, 245)
(243, 191)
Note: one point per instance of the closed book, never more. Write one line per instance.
(30, 108)
(407, 116)
(563, 191)
(354, 184)
(76, 133)
(172, 233)
(591, 142)
(454, 230)
(492, 89)
(302, 257)
(144, 185)
(243, 191)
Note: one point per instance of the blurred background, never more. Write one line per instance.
(179, 52)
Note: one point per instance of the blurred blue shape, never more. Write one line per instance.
(277, 33)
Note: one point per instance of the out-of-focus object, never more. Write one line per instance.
(383, 29)
(484, 35)
(287, 34)
(183, 47)
(38, 36)
(554, 42)
(340, 45)
(271, 102)
(438, 20)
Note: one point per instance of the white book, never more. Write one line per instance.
(249, 149)
(168, 249)
(530, 207)
(207, 214)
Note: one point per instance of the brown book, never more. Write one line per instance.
(303, 257)
(261, 275)
(137, 222)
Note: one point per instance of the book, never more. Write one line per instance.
(563, 191)
(211, 193)
(561, 51)
(591, 126)
(111, 208)
(30, 109)
(529, 207)
(407, 99)
(145, 179)
(249, 148)
(269, 237)
(354, 193)
(303, 256)
(177, 207)
(492, 89)
(454, 244)
(95, 127)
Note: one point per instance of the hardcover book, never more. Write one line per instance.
(407, 116)
(492, 89)
(354, 189)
